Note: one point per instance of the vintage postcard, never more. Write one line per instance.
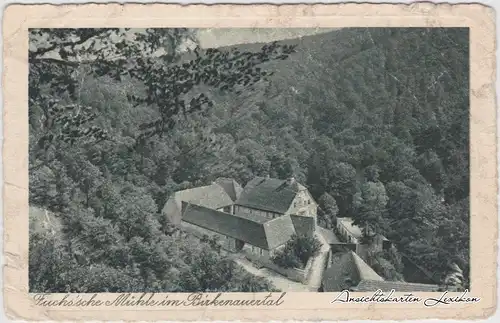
(249, 162)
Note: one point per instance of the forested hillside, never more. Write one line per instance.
(375, 118)
(378, 119)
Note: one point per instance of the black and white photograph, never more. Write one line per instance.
(167, 160)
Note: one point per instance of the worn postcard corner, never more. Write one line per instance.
(249, 162)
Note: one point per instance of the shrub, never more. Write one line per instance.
(297, 251)
(286, 258)
(384, 266)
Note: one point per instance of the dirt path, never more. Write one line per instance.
(318, 265)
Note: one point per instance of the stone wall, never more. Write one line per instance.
(346, 235)
(295, 274)
(172, 210)
(256, 251)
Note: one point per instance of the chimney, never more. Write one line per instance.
(290, 181)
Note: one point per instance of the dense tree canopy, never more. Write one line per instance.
(327, 210)
(375, 118)
(101, 102)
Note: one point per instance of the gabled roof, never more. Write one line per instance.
(416, 272)
(304, 225)
(211, 196)
(254, 217)
(232, 188)
(278, 231)
(347, 269)
(387, 286)
(267, 235)
(269, 194)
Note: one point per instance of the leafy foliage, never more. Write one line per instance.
(369, 208)
(454, 279)
(328, 210)
(91, 156)
(387, 264)
(297, 251)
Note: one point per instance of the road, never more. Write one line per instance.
(283, 283)
(318, 265)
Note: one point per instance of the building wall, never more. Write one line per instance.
(243, 210)
(262, 253)
(348, 236)
(172, 210)
(226, 242)
(303, 204)
(248, 248)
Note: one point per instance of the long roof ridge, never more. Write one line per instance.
(276, 218)
(236, 227)
(364, 270)
(197, 187)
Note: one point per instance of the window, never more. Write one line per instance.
(308, 201)
(261, 252)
